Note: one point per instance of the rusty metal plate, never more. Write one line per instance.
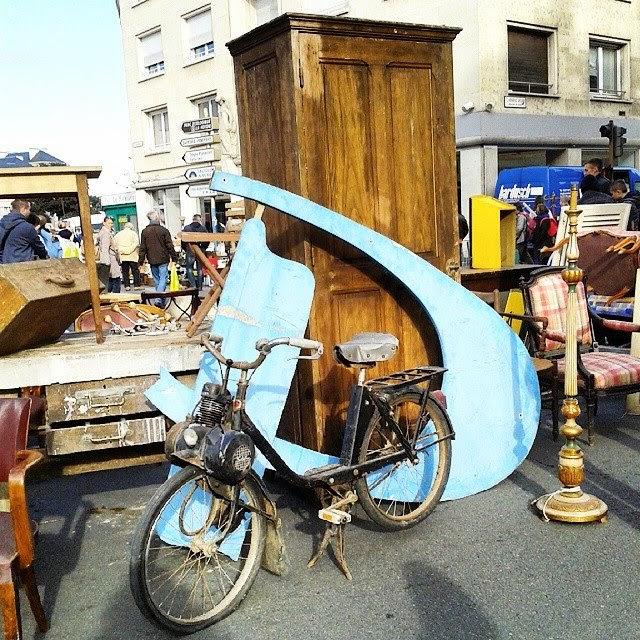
(110, 435)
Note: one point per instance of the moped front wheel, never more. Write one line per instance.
(195, 553)
(401, 494)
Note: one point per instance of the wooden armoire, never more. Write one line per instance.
(358, 116)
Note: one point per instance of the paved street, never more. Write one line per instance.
(480, 568)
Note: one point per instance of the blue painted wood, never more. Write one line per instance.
(491, 386)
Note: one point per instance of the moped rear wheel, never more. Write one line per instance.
(193, 556)
(402, 494)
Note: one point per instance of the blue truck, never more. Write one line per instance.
(524, 184)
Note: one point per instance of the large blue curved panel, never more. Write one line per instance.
(491, 386)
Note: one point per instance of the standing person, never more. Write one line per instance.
(157, 247)
(194, 275)
(64, 231)
(115, 272)
(105, 247)
(591, 194)
(522, 221)
(127, 243)
(594, 168)
(620, 193)
(19, 240)
(51, 243)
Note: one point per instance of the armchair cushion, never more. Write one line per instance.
(610, 370)
(548, 295)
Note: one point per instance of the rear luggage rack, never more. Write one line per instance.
(404, 378)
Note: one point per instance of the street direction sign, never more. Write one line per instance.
(201, 155)
(195, 126)
(196, 141)
(198, 174)
(200, 191)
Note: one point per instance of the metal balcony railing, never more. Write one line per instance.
(517, 86)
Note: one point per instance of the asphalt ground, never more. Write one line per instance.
(485, 567)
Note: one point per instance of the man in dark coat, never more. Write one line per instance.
(194, 270)
(594, 168)
(19, 240)
(591, 194)
(156, 246)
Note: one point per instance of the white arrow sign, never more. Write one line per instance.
(197, 141)
(199, 174)
(200, 155)
(200, 191)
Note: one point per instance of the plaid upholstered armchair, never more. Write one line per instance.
(599, 372)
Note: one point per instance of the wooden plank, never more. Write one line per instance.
(190, 236)
(210, 299)
(89, 252)
(98, 461)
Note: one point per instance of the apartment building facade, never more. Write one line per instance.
(533, 82)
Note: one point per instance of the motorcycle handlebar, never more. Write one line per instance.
(263, 346)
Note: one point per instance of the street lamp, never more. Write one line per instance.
(571, 504)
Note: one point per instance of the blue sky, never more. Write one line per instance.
(62, 83)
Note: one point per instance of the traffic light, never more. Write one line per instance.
(606, 130)
(618, 141)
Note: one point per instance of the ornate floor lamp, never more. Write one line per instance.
(571, 504)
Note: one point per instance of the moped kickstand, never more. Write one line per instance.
(336, 517)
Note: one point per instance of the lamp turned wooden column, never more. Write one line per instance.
(571, 504)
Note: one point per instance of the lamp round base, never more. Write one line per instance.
(572, 507)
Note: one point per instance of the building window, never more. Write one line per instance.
(199, 36)
(605, 69)
(207, 107)
(159, 121)
(529, 60)
(151, 56)
(265, 10)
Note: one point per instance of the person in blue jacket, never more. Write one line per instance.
(52, 245)
(19, 240)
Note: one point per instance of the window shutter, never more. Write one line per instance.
(151, 48)
(200, 29)
(528, 57)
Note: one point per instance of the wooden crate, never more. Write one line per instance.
(39, 300)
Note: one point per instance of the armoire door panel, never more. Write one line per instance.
(410, 155)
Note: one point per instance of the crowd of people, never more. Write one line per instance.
(26, 236)
(536, 227)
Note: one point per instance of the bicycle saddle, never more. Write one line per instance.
(366, 349)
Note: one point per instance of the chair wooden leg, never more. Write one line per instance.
(31, 589)
(10, 611)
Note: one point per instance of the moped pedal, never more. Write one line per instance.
(334, 516)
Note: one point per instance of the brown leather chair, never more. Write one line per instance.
(16, 539)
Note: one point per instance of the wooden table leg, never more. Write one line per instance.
(89, 252)
(205, 306)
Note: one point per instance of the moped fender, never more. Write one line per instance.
(275, 558)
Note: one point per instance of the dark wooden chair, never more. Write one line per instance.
(16, 538)
(599, 372)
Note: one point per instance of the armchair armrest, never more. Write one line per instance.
(620, 325)
(18, 504)
(537, 325)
